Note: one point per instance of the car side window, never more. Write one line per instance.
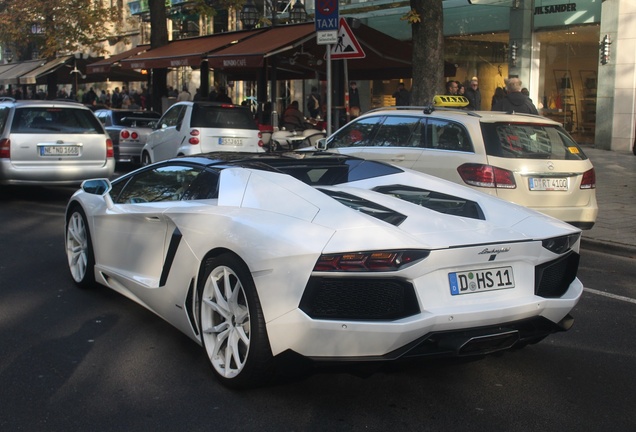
(396, 131)
(172, 117)
(164, 183)
(447, 135)
(4, 114)
(356, 134)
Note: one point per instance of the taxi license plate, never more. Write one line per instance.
(475, 281)
(548, 184)
(59, 151)
(238, 142)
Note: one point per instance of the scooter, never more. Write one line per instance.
(292, 140)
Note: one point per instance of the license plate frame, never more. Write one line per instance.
(230, 141)
(549, 184)
(59, 150)
(481, 280)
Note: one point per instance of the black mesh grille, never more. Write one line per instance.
(359, 299)
(553, 279)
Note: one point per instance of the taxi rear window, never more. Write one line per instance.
(530, 141)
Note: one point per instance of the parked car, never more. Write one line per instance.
(525, 159)
(129, 130)
(52, 142)
(188, 128)
(323, 257)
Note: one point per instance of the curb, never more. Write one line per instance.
(624, 250)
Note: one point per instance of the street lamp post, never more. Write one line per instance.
(249, 15)
(298, 13)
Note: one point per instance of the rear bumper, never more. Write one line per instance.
(59, 175)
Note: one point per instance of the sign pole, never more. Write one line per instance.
(329, 95)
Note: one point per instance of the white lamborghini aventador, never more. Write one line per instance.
(325, 257)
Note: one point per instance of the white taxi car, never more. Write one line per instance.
(526, 159)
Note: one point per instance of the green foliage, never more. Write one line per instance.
(411, 17)
(64, 26)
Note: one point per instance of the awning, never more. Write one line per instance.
(50, 67)
(251, 53)
(296, 54)
(104, 66)
(12, 75)
(185, 52)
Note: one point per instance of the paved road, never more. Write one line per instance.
(92, 360)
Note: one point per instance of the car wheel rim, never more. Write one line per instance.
(77, 247)
(225, 321)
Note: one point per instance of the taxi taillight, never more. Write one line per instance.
(589, 179)
(486, 176)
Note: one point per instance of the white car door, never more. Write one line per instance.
(391, 139)
(165, 141)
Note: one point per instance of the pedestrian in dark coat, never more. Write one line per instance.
(515, 101)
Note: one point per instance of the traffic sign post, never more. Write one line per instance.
(326, 21)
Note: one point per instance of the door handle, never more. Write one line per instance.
(153, 219)
(397, 158)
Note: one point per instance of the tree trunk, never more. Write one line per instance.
(428, 51)
(158, 38)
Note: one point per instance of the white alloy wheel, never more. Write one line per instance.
(232, 324)
(79, 251)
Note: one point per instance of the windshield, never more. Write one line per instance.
(530, 141)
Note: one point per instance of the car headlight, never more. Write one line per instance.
(373, 261)
(562, 244)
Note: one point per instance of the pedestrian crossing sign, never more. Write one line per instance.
(346, 46)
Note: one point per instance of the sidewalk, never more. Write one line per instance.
(615, 228)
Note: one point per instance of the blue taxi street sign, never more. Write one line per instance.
(326, 15)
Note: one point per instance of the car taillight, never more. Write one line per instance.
(194, 137)
(589, 179)
(260, 139)
(110, 152)
(124, 134)
(486, 176)
(375, 261)
(5, 148)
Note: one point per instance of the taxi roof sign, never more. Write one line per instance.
(450, 101)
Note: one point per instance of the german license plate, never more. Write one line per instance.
(59, 151)
(548, 184)
(475, 281)
(237, 142)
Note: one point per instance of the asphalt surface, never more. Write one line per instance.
(615, 228)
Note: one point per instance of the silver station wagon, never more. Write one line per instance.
(52, 143)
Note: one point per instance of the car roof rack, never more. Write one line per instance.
(6, 99)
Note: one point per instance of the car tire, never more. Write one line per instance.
(145, 159)
(79, 249)
(233, 328)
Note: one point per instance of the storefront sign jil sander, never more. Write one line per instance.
(565, 7)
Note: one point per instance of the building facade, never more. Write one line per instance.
(553, 46)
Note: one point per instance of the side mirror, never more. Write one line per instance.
(99, 187)
(321, 144)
